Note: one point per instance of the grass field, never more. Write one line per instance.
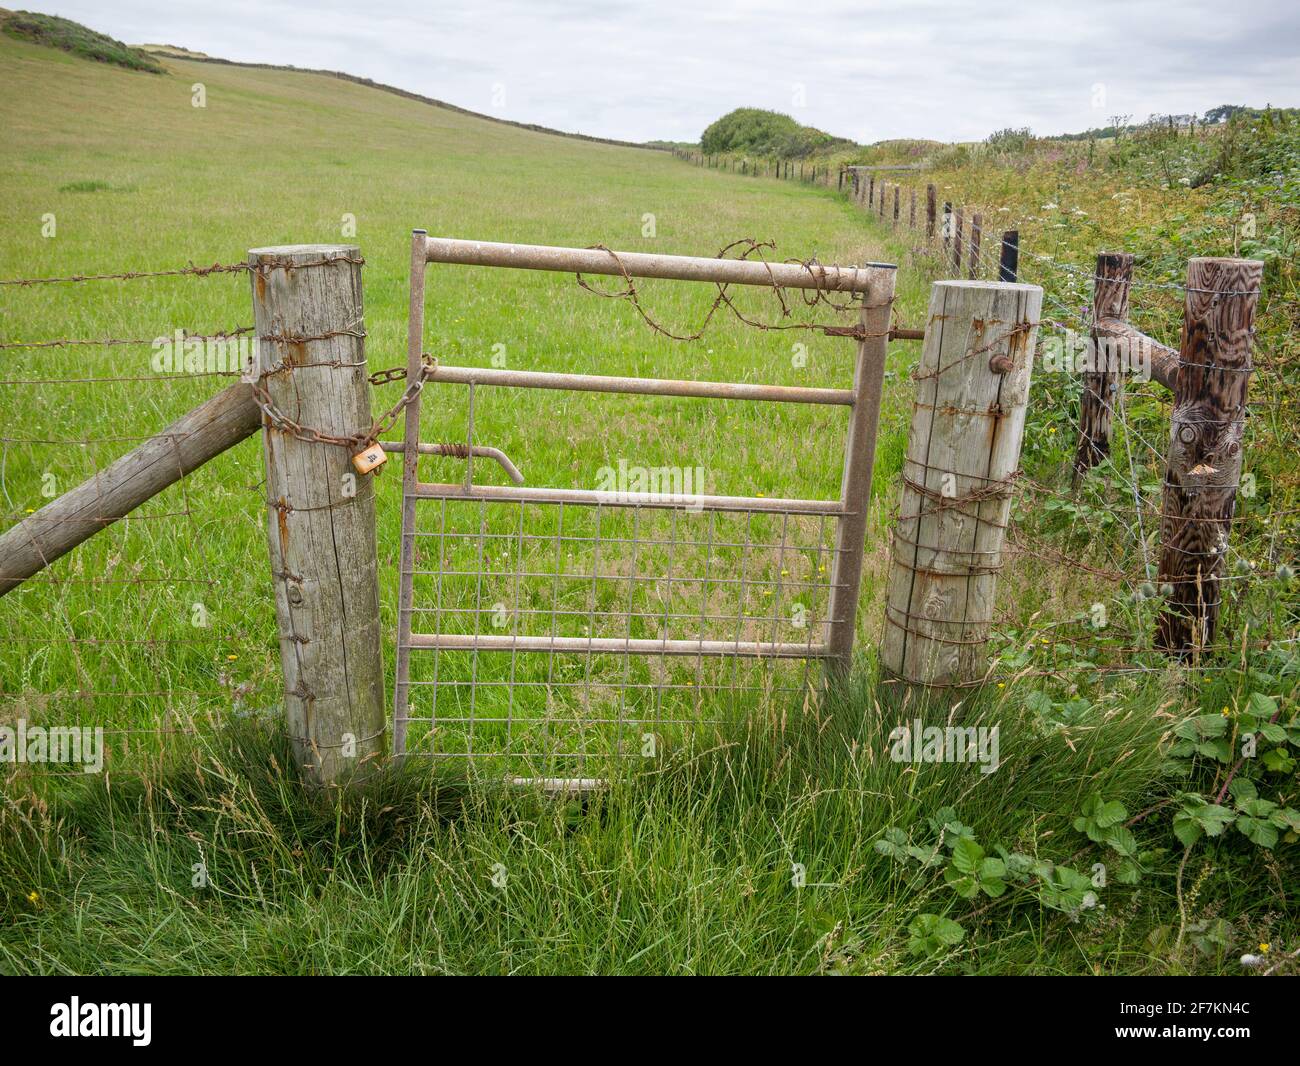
(750, 846)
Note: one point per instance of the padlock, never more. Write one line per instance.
(369, 459)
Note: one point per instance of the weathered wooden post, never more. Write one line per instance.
(1009, 258)
(307, 307)
(962, 455)
(871, 190)
(884, 188)
(956, 244)
(112, 493)
(976, 232)
(896, 195)
(1103, 376)
(1115, 348)
(911, 209)
(929, 212)
(1205, 446)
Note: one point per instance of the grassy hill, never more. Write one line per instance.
(689, 865)
(55, 32)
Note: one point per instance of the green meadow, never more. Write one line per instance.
(770, 832)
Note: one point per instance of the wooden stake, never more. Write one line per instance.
(1009, 257)
(929, 212)
(1205, 446)
(976, 231)
(962, 454)
(321, 513)
(113, 493)
(896, 194)
(956, 244)
(1103, 378)
(911, 210)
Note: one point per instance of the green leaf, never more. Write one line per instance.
(1262, 706)
(1111, 813)
(965, 885)
(932, 933)
(1122, 840)
(1242, 789)
(1258, 831)
(1287, 818)
(967, 855)
(893, 844)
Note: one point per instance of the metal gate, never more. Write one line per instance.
(514, 642)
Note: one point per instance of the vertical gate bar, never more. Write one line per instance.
(855, 485)
(410, 478)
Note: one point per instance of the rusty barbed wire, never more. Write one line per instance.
(815, 297)
(264, 266)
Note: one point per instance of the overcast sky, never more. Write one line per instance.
(643, 69)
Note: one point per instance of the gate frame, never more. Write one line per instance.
(873, 281)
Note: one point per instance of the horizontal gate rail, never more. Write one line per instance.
(717, 390)
(872, 277)
(425, 490)
(617, 645)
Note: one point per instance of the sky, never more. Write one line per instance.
(664, 69)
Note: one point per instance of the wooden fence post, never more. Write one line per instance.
(1205, 446)
(911, 209)
(929, 212)
(1103, 377)
(976, 232)
(956, 243)
(307, 307)
(871, 190)
(963, 451)
(884, 188)
(896, 194)
(1009, 257)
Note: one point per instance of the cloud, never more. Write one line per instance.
(867, 69)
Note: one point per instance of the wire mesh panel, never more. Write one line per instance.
(540, 629)
(587, 629)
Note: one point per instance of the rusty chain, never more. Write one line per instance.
(354, 441)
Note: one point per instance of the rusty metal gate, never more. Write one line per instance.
(553, 625)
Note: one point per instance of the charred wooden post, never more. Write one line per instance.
(1009, 257)
(1205, 447)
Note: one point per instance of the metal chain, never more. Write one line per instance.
(355, 441)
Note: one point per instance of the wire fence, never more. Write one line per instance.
(139, 633)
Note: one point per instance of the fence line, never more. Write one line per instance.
(1147, 580)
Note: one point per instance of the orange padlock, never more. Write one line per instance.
(369, 459)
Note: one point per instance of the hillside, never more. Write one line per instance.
(769, 829)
